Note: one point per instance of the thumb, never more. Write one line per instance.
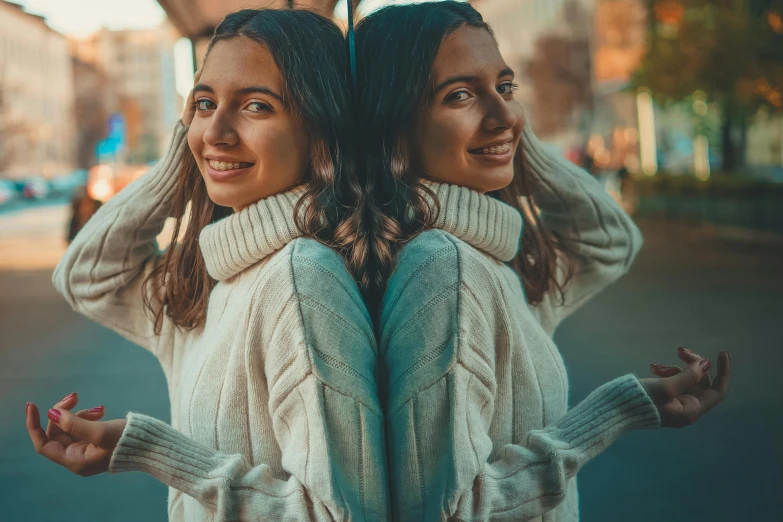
(72, 424)
(688, 379)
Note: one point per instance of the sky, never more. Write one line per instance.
(81, 17)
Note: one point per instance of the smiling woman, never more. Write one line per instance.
(261, 331)
(490, 240)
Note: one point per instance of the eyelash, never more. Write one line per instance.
(514, 87)
(199, 105)
(199, 102)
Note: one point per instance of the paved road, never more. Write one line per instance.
(687, 288)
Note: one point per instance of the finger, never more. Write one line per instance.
(721, 383)
(83, 429)
(689, 357)
(663, 370)
(92, 414)
(50, 449)
(53, 431)
(686, 380)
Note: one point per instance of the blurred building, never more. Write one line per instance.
(592, 47)
(134, 70)
(37, 82)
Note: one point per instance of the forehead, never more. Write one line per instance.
(241, 62)
(468, 51)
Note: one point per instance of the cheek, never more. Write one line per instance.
(195, 139)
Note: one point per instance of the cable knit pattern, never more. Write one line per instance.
(274, 405)
(478, 420)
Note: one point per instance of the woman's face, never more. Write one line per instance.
(247, 143)
(468, 133)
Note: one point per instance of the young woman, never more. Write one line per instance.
(476, 398)
(266, 345)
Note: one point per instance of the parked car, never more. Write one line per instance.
(66, 184)
(7, 191)
(35, 188)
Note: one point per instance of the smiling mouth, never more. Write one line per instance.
(497, 150)
(228, 165)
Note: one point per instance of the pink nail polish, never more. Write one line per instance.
(54, 415)
(705, 365)
(27, 408)
(68, 397)
(97, 409)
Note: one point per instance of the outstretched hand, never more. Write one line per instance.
(78, 442)
(682, 396)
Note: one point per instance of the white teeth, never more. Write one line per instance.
(500, 149)
(224, 165)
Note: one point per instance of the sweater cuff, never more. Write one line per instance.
(155, 447)
(609, 411)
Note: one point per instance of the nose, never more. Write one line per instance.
(221, 130)
(499, 114)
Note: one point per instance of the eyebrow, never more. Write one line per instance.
(201, 87)
(508, 71)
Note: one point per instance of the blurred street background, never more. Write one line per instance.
(675, 106)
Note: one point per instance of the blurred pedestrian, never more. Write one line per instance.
(476, 391)
(259, 326)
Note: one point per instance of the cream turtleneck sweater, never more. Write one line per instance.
(477, 417)
(274, 408)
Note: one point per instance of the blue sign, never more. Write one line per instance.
(108, 149)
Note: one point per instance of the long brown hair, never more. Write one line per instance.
(394, 82)
(309, 50)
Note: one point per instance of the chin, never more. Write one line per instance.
(226, 198)
(490, 183)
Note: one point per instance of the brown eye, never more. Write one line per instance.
(258, 107)
(458, 96)
(205, 105)
(508, 88)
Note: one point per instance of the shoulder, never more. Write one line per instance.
(436, 265)
(318, 272)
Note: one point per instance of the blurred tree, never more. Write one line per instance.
(12, 130)
(560, 72)
(732, 50)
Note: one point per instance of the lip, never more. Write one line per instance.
(493, 143)
(224, 175)
(494, 160)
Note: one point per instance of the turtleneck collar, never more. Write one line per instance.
(242, 239)
(479, 220)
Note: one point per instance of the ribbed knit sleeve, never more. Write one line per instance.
(320, 371)
(576, 207)
(442, 321)
(102, 272)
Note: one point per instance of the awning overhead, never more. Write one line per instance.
(198, 18)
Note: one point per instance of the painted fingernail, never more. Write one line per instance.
(68, 397)
(686, 350)
(54, 415)
(705, 364)
(96, 409)
(27, 408)
(658, 366)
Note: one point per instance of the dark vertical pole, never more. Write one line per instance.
(193, 54)
(351, 45)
